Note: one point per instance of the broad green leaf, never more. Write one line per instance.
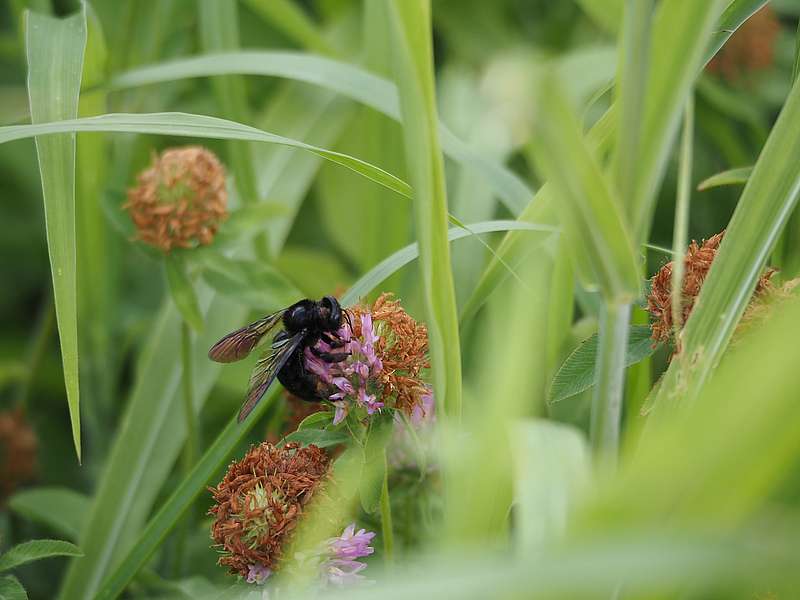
(345, 79)
(319, 437)
(11, 589)
(183, 124)
(410, 25)
(36, 550)
(730, 177)
(598, 235)
(767, 201)
(181, 290)
(251, 283)
(577, 373)
(38, 504)
(552, 466)
(55, 62)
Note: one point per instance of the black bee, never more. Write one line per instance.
(304, 324)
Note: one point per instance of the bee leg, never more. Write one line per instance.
(332, 341)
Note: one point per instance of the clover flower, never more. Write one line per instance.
(18, 451)
(697, 263)
(750, 49)
(341, 566)
(180, 200)
(387, 354)
(259, 502)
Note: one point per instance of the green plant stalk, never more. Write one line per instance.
(187, 389)
(680, 231)
(633, 69)
(607, 395)
(411, 29)
(386, 515)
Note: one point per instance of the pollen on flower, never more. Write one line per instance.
(180, 200)
(696, 262)
(259, 502)
(387, 355)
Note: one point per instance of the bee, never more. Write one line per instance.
(305, 323)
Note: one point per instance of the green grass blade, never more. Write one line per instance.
(736, 13)
(591, 217)
(681, 33)
(346, 79)
(55, 62)
(391, 264)
(768, 199)
(736, 176)
(411, 32)
(219, 31)
(182, 291)
(36, 550)
(183, 124)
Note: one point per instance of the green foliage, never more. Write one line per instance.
(36, 550)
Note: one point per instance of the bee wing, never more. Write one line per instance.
(238, 344)
(267, 369)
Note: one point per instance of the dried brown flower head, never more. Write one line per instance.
(180, 200)
(260, 500)
(18, 446)
(750, 49)
(403, 350)
(696, 265)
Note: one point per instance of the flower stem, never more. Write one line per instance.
(187, 384)
(680, 230)
(610, 378)
(386, 515)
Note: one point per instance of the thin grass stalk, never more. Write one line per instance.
(607, 396)
(680, 230)
(187, 389)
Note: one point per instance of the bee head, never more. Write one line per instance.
(330, 313)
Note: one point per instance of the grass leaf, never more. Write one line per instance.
(730, 177)
(346, 79)
(411, 31)
(183, 124)
(55, 62)
(597, 234)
